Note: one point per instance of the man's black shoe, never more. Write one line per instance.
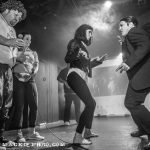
(137, 133)
(147, 146)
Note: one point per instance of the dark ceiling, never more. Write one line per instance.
(59, 7)
(44, 8)
(52, 24)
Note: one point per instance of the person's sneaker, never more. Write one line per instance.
(35, 136)
(20, 139)
(67, 123)
(79, 140)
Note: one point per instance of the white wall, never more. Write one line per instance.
(110, 106)
(47, 85)
(114, 105)
(147, 102)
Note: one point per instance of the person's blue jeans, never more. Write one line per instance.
(24, 92)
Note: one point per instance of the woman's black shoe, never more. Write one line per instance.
(137, 133)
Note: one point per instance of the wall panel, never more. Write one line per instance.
(48, 92)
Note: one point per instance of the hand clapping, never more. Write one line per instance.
(16, 43)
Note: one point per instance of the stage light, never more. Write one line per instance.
(120, 55)
(100, 16)
(119, 58)
(107, 4)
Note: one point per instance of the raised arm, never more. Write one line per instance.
(98, 60)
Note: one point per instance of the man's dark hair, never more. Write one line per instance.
(14, 5)
(129, 19)
(80, 33)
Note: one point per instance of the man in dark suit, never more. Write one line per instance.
(136, 62)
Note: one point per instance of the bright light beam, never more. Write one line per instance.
(119, 59)
(107, 4)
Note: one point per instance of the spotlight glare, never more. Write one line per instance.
(119, 59)
(107, 4)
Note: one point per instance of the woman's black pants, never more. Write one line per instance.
(80, 87)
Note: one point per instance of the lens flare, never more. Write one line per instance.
(107, 4)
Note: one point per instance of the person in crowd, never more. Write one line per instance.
(136, 63)
(70, 96)
(80, 69)
(12, 12)
(25, 89)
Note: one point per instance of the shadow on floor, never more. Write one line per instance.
(114, 134)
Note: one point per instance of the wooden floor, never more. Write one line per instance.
(114, 134)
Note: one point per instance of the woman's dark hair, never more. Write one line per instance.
(80, 33)
(129, 19)
(14, 5)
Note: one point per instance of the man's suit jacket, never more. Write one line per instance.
(136, 54)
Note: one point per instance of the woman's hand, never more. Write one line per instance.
(83, 53)
(102, 58)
